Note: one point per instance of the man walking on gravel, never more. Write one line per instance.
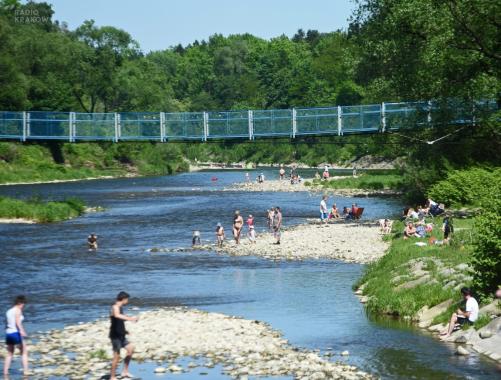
(118, 333)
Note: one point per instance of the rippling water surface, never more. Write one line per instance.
(311, 302)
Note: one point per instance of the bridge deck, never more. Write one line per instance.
(203, 126)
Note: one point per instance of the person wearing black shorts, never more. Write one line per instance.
(118, 335)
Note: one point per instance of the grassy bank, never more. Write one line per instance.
(410, 277)
(377, 180)
(63, 161)
(39, 211)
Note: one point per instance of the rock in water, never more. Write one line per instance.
(160, 370)
(345, 353)
(462, 351)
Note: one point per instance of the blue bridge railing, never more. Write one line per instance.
(165, 126)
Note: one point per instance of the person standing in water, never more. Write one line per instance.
(247, 177)
(281, 172)
(324, 212)
(118, 335)
(92, 242)
(14, 334)
(251, 233)
(196, 238)
(238, 223)
(219, 235)
(277, 224)
(270, 214)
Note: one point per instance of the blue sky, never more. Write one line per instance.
(158, 24)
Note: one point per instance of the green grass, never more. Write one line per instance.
(365, 181)
(99, 354)
(31, 162)
(39, 211)
(384, 295)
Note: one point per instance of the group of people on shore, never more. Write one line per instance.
(274, 222)
(333, 213)
(416, 225)
(15, 336)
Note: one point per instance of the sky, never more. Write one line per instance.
(159, 24)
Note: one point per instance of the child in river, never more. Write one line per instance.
(251, 234)
(219, 235)
(196, 238)
(92, 242)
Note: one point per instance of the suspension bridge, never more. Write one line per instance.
(248, 124)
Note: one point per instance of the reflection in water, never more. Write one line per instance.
(311, 302)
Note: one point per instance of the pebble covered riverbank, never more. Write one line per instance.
(350, 242)
(286, 186)
(242, 347)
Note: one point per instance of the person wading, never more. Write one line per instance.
(118, 335)
(14, 334)
(277, 224)
(238, 223)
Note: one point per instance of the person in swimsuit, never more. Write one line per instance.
(195, 238)
(270, 214)
(277, 224)
(118, 335)
(92, 242)
(282, 172)
(220, 235)
(14, 334)
(238, 223)
(251, 233)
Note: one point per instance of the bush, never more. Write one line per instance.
(487, 248)
(466, 187)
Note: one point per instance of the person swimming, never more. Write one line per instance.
(92, 242)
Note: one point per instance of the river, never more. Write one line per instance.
(311, 302)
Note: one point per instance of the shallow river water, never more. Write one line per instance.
(311, 302)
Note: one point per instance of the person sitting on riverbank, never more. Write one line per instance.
(219, 235)
(323, 209)
(385, 226)
(433, 208)
(195, 238)
(118, 335)
(346, 212)
(15, 334)
(238, 223)
(410, 231)
(92, 242)
(334, 214)
(412, 214)
(463, 318)
(354, 211)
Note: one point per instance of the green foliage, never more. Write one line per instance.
(99, 354)
(37, 210)
(467, 187)
(366, 181)
(487, 243)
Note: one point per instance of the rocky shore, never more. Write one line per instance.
(243, 348)
(350, 242)
(286, 186)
